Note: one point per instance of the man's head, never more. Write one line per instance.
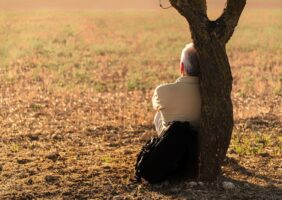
(189, 64)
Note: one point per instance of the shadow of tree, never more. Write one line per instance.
(183, 189)
(178, 188)
(242, 170)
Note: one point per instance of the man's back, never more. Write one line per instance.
(179, 101)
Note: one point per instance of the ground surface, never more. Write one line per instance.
(75, 90)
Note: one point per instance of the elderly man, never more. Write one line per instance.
(179, 101)
(178, 108)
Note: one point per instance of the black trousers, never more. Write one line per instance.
(190, 165)
(172, 154)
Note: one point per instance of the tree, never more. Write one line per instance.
(210, 38)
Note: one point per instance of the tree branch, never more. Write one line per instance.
(195, 12)
(223, 28)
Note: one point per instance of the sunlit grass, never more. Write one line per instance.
(85, 48)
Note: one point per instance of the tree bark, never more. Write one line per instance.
(210, 38)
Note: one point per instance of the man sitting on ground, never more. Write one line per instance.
(179, 101)
(178, 108)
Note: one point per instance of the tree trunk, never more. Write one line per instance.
(210, 38)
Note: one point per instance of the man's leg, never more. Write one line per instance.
(192, 153)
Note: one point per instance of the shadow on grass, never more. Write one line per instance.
(183, 189)
(242, 170)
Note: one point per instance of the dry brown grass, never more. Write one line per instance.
(75, 98)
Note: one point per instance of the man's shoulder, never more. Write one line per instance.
(163, 88)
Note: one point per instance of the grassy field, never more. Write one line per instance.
(75, 100)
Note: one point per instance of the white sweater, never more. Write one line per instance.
(179, 101)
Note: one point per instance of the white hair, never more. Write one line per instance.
(190, 60)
